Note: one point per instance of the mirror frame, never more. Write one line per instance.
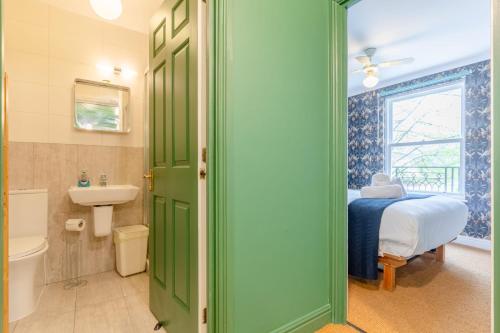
(128, 128)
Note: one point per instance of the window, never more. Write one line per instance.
(424, 143)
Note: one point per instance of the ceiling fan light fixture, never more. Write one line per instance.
(371, 80)
(107, 9)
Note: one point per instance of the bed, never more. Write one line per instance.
(412, 227)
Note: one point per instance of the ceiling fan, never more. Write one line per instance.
(371, 69)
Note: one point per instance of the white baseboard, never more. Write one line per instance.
(483, 244)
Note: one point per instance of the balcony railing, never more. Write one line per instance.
(429, 179)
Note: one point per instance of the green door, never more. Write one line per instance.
(174, 164)
(273, 116)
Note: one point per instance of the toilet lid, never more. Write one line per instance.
(24, 246)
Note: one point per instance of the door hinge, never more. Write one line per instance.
(204, 155)
(203, 174)
(205, 316)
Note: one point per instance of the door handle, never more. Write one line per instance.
(150, 177)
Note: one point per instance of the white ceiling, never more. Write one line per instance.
(136, 13)
(439, 34)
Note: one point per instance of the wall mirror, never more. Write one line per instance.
(101, 107)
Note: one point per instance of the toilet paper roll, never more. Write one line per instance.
(75, 224)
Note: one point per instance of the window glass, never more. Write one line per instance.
(432, 116)
(425, 139)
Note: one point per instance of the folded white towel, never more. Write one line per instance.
(382, 192)
(381, 179)
(397, 181)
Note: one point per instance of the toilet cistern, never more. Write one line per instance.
(102, 199)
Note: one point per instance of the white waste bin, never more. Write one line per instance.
(131, 249)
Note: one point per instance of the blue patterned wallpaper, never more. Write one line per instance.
(366, 141)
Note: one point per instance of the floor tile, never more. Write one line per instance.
(49, 322)
(100, 287)
(55, 298)
(135, 284)
(12, 326)
(140, 315)
(107, 304)
(106, 317)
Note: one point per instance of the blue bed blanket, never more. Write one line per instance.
(365, 216)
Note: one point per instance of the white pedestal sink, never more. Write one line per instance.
(102, 199)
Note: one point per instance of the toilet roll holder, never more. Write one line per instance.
(74, 227)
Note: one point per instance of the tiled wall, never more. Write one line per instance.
(366, 141)
(46, 50)
(56, 167)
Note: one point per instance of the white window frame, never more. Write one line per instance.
(460, 84)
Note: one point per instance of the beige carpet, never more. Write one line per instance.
(337, 329)
(430, 297)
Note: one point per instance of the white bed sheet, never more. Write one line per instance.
(412, 227)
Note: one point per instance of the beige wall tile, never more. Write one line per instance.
(46, 50)
(61, 130)
(27, 67)
(74, 37)
(99, 160)
(28, 127)
(28, 11)
(63, 72)
(57, 167)
(21, 168)
(61, 101)
(20, 36)
(28, 97)
(44, 56)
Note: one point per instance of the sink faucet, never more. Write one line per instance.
(103, 180)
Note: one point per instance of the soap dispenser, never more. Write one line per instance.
(83, 181)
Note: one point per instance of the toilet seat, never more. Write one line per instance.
(24, 246)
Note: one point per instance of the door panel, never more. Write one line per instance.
(173, 145)
(273, 123)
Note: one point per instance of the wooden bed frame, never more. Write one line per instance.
(391, 262)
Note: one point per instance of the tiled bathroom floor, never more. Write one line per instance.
(108, 303)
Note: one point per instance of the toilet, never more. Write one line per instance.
(28, 245)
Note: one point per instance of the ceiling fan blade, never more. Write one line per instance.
(396, 62)
(365, 60)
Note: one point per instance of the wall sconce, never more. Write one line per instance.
(108, 70)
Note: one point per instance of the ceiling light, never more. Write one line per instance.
(107, 9)
(371, 80)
